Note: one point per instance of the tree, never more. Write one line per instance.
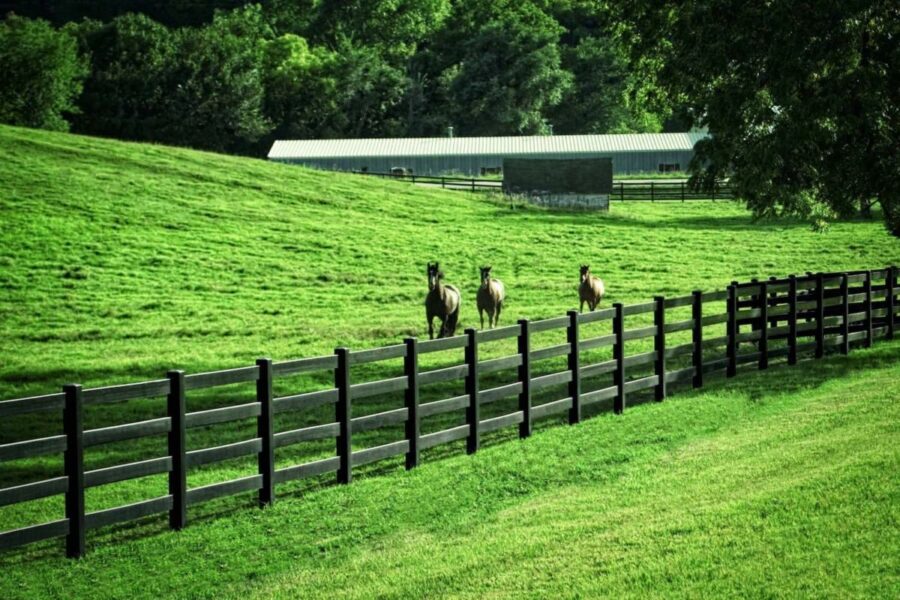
(508, 74)
(395, 29)
(802, 101)
(217, 99)
(132, 59)
(172, 13)
(302, 87)
(42, 74)
(607, 95)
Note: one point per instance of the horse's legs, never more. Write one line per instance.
(497, 314)
(431, 327)
(581, 308)
(481, 316)
(452, 320)
(592, 305)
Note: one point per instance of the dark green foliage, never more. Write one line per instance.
(131, 82)
(190, 73)
(41, 74)
(802, 103)
(173, 13)
(508, 75)
(217, 98)
(195, 87)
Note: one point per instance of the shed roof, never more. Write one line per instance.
(468, 146)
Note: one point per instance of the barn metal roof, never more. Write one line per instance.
(468, 146)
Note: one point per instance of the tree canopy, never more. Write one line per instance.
(802, 102)
(224, 76)
(42, 74)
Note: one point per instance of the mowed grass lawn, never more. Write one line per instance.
(776, 484)
(120, 261)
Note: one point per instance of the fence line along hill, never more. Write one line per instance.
(788, 318)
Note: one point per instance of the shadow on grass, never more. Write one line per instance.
(744, 222)
(779, 378)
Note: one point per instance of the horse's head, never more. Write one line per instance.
(434, 275)
(485, 273)
(585, 272)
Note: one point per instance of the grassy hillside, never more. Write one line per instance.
(780, 484)
(119, 261)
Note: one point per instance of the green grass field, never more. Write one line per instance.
(778, 484)
(120, 261)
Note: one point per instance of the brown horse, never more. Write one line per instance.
(591, 289)
(442, 302)
(490, 298)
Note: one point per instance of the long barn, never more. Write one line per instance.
(473, 156)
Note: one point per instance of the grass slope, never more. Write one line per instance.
(119, 261)
(781, 483)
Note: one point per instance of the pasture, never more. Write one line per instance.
(120, 261)
(782, 483)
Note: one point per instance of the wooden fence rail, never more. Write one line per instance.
(793, 317)
(650, 191)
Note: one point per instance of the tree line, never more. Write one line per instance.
(231, 78)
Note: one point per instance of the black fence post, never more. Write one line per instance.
(792, 320)
(682, 191)
(177, 441)
(889, 296)
(652, 195)
(659, 346)
(697, 338)
(413, 422)
(622, 191)
(265, 430)
(572, 336)
(525, 377)
(73, 426)
(845, 311)
(472, 411)
(731, 332)
(867, 288)
(343, 410)
(820, 315)
(764, 325)
(619, 357)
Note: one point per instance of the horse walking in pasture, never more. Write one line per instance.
(591, 289)
(442, 302)
(490, 298)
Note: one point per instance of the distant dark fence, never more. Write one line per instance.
(449, 183)
(788, 318)
(663, 191)
(651, 191)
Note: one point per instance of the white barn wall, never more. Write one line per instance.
(644, 154)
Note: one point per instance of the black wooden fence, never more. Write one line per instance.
(650, 191)
(668, 191)
(804, 315)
